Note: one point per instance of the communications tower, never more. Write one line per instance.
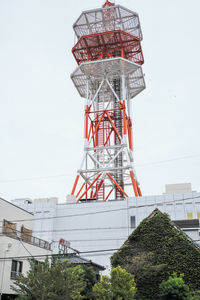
(109, 74)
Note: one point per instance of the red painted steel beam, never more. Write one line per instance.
(97, 126)
(117, 185)
(134, 184)
(87, 189)
(113, 125)
(139, 191)
(115, 43)
(124, 117)
(130, 134)
(75, 184)
(108, 3)
(80, 190)
(98, 188)
(108, 195)
(108, 137)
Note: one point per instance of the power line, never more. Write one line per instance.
(137, 165)
(100, 252)
(168, 160)
(25, 248)
(105, 211)
(34, 178)
(83, 240)
(96, 240)
(25, 257)
(67, 216)
(80, 229)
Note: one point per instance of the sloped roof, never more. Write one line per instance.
(78, 260)
(18, 207)
(193, 223)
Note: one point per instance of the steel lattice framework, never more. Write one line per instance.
(107, 45)
(108, 76)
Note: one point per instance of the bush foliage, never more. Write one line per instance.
(119, 286)
(59, 280)
(154, 251)
(174, 289)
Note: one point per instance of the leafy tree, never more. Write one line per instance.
(51, 282)
(174, 288)
(89, 278)
(103, 289)
(119, 286)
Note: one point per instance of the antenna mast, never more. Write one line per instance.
(108, 76)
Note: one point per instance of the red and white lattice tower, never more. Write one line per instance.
(108, 76)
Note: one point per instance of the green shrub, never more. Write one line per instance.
(174, 289)
(119, 286)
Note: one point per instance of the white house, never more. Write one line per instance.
(17, 245)
(97, 228)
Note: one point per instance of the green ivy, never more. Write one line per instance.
(156, 242)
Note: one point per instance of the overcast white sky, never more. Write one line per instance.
(41, 119)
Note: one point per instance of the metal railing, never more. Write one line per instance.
(26, 238)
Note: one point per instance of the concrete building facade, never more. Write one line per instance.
(17, 245)
(97, 229)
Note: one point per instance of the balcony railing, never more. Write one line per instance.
(26, 238)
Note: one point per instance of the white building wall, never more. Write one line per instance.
(178, 188)
(106, 225)
(16, 248)
(11, 212)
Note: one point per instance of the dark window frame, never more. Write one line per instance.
(16, 268)
(132, 221)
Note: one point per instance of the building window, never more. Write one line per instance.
(189, 216)
(132, 221)
(16, 268)
(198, 215)
(98, 277)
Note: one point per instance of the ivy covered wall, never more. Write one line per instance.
(154, 251)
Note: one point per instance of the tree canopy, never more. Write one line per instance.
(174, 289)
(119, 286)
(59, 280)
